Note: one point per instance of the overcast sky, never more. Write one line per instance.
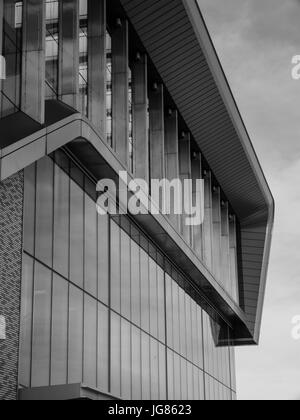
(256, 40)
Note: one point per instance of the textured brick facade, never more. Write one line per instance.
(11, 222)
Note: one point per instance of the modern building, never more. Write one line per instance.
(123, 306)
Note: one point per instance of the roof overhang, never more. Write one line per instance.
(176, 38)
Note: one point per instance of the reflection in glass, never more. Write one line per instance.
(83, 56)
(109, 88)
(52, 48)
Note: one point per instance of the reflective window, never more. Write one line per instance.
(130, 123)
(52, 48)
(103, 348)
(76, 234)
(83, 56)
(90, 247)
(90, 341)
(125, 360)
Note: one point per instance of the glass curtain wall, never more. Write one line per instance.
(12, 52)
(101, 305)
(109, 88)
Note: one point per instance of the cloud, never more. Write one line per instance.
(255, 40)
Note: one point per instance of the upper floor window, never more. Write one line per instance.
(83, 56)
(52, 48)
(108, 88)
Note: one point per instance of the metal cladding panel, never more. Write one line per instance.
(176, 39)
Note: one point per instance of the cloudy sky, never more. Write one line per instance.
(256, 40)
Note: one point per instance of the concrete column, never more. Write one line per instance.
(172, 156)
(233, 258)
(185, 170)
(197, 231)
(225, 266)
(120, 80)
(216, 213)
(97, 64)
(33, 62)
(140, 118)
(207, 226)
(157, 132)
(69, 52)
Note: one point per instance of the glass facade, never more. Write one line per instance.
(83, 56)
(109, 88)
(12, 52)
(102, 305)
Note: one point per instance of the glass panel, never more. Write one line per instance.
(136, 364)
(183, 375)
(59, 342)
(135, 284)
(169, 311)
(161, 305)
(115, 282)
(44, 211)
(146, 391)
(162, 373)
(76, 234)
(131, 145)
(153, 299)
(190, 382)
(177, 377)
(90, 342)
(126, 360)
(125, 276)
(61, 222)
(41, 327)
(103, 348)
(170, 365)
(189, 341)
(103, 258)
(154, 366)
(90, 253)
(145, 298)
(75, 355)
(176, 319)
(29, 208)
(115, 346)
(183, 323)
(26, 322)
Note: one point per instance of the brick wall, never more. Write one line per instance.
(11, 221)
